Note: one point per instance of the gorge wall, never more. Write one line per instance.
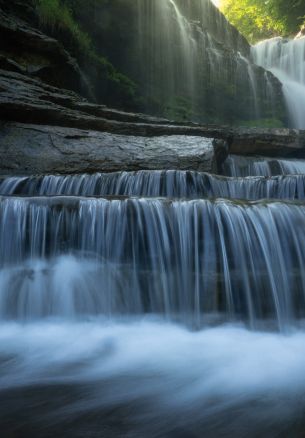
(189, 62)
(186, 75)
(177, 59)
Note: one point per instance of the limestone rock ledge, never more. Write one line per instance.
(60, 132)
(30, 149)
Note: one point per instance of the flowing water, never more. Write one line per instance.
(271, 179)
(286, 60)
(195, 65)
(161, 304)
(240, 166)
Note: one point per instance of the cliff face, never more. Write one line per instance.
(187, 61)
(26, 50)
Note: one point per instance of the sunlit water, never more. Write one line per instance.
(286, 60)
(186, 47)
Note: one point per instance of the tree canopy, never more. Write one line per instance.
(261, 19)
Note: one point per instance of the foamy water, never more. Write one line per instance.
(167, 377)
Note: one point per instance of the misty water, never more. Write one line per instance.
(192, 57)
(160, 304)
(146, 377)
(286, 60)
(136, 304)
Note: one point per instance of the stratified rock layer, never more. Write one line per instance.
(80, 136)
(32, 149)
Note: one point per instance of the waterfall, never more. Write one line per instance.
(286, 60)
(169, 55)
(159, 303)
(239, 166)
(196, 66)
(154, 303)
(173, 183)
(74, 256)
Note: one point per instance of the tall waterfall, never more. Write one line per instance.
(286, 60)
(195, 65)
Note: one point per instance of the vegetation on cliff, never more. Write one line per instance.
(261, 19)
(71, 22)
(136, 68)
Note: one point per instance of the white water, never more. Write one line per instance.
(175, 183)
(243, 166)
(191, 56)
(74, 257)
(286, 60)
(92, 290)
(156, 379)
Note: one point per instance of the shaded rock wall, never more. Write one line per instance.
(62, 132)
(26, 50)
(189, 62)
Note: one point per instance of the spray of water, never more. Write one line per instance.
(286, 60)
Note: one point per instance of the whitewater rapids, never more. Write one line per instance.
(146, 377)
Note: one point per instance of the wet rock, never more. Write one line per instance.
(37, 55)
(30, 149)
(84, 137)
(282, 142)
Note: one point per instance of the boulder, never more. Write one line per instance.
(32, 149)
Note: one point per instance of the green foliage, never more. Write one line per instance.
(121, 81)
(260, 19)
(179, 109)
(56, 15)
(63, 19)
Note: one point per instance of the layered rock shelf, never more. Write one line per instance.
(48, 128)
(51, 149)
(73, 128)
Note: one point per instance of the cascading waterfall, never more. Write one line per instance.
(159, 304)
(155, 256)
(141, 304)
(170, 30)
(175, 184)
(240, 166)
(195, 64)
(286, 60)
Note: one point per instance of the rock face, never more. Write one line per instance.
(268, 142)
(31, 100)
(71, 134)
(30, 149)
(189, 62)
(49, 129)
(31, 52)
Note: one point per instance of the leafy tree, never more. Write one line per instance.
(260, 19)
